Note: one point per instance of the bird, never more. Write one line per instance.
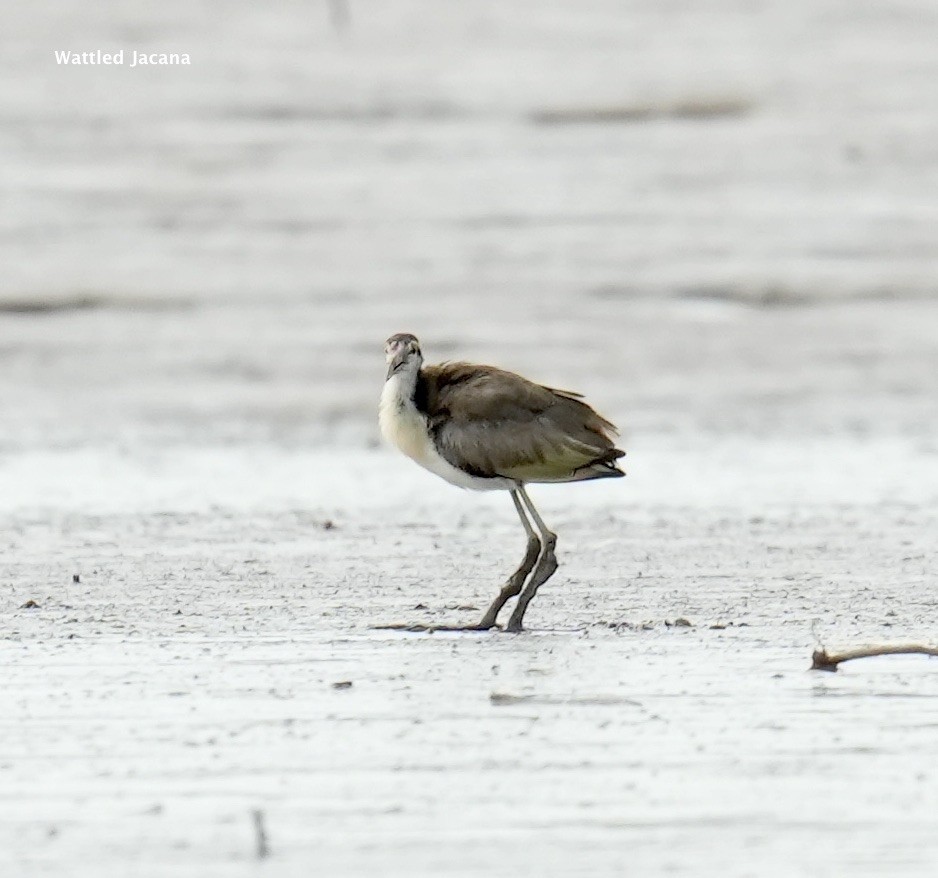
(484, 428)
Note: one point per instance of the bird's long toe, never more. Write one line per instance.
(478, 626)
(421, 628)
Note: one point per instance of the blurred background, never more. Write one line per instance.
(715, 219)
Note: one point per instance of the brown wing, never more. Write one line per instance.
(489, 423)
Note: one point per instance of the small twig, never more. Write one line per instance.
(260, 834)
(822, 660)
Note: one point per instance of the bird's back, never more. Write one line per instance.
(493, 423)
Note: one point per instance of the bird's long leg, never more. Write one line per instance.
(543, 570)
(512, 587)
(516, 581)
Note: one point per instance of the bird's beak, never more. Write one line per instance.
(397, 356)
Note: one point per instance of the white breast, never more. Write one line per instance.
(406, 428)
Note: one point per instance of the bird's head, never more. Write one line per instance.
(402, 353)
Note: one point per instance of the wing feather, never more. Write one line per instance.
(490, 422)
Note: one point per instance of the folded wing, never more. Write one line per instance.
(490, 423)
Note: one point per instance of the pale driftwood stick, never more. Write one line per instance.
(822, 660)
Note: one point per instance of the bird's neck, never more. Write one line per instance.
(401, 388)
(402, 423)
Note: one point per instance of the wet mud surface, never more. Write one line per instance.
(658, 714)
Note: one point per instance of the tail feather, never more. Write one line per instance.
(598, 470)
(603, 467)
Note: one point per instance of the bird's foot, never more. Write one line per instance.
(430, 629)
(400, 626)
(478, 626)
